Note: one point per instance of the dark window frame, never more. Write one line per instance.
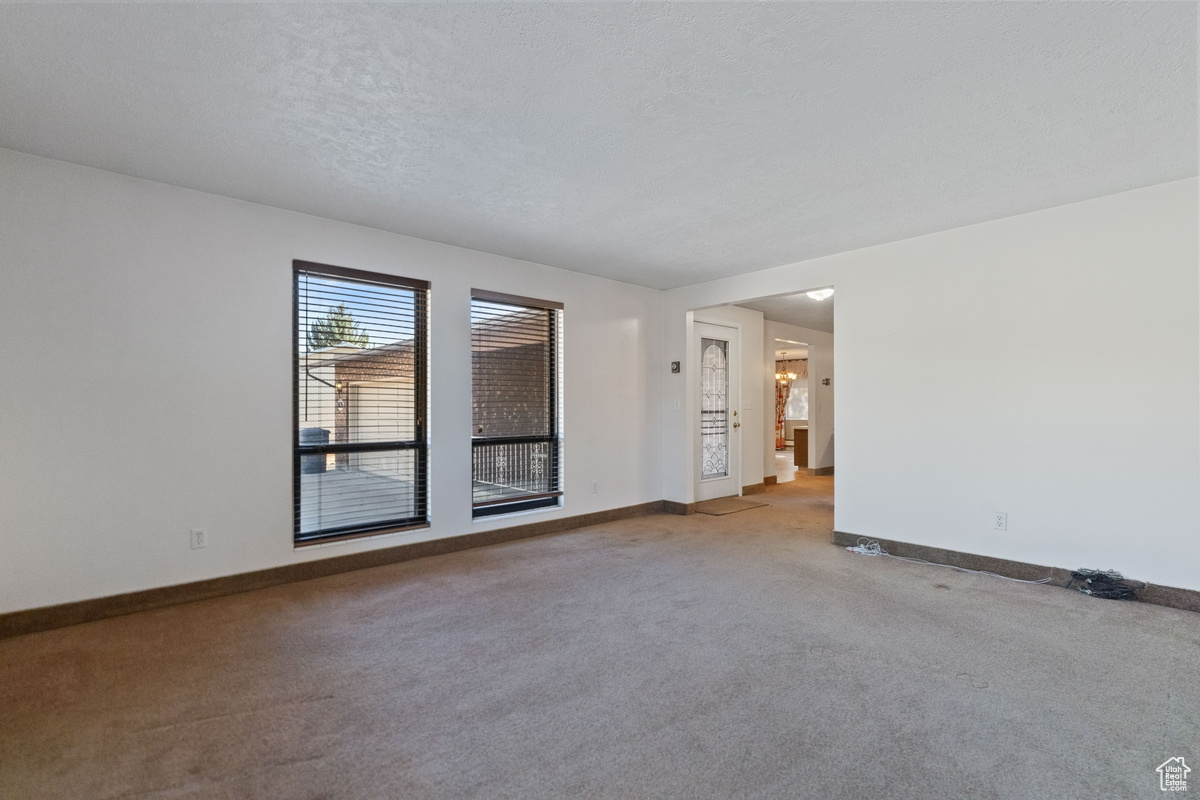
(554, 440)
(420, 441)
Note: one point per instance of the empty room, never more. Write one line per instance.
(448, 400)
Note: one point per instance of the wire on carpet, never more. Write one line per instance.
(1109, 584)
(870, 547)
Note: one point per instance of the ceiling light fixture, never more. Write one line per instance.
(820, 294)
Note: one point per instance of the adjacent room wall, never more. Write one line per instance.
(148, 381)
(1045, 365)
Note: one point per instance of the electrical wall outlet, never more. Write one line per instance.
(999, 521)
(199, 538)
(595, 487)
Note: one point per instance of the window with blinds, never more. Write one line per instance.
(360, 452)
(516, 403)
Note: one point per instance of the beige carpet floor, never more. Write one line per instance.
(661, 657)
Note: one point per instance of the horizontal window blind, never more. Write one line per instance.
(516, 403)
(361, 361)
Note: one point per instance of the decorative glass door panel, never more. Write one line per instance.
(717, 451)
(714, 408)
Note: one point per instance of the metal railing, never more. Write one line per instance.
(514, 469)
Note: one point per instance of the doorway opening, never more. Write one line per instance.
(798, 385)
(760, 394)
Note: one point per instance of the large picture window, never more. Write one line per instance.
(360, 452)
(516, 402)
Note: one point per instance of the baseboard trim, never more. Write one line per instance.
(674, 507)
(1170, 596)
(755, 488)
(32, 620)
(771, 480)
(820, 471)
(17, 623)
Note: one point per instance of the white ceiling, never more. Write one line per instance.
(661, 144)
(788, 352)
(796, 309)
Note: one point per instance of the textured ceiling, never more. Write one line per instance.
(796, 309)
(661, 144)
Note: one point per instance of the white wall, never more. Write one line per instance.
(147, 380)
(1046, 365)
(750, 324)
(820, 397)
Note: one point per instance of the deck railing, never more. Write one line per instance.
(514, 468)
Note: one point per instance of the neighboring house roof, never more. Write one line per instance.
(341, 354)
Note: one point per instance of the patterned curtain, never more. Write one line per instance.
(783, 389)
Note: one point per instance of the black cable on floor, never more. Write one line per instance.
(1109, 584)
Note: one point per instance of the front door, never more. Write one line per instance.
(719, 469)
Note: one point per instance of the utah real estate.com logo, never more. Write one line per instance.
(1172, 775)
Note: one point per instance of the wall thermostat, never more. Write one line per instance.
(674, 366)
